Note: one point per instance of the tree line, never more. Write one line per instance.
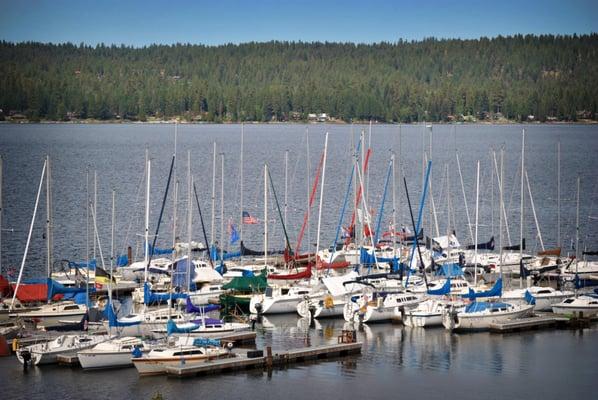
(548, 77)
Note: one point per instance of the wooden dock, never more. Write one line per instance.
(237, 338)
(532, 323)
(242, 362)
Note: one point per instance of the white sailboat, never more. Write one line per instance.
(480, 315)
(46, 353)
(112, 353)
(429, 312)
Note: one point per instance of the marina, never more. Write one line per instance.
(269, 311)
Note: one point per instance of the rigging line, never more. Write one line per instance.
(203, 228)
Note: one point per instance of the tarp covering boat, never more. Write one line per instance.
(202, 342)
(193, 309)
(181, 277)
(113, 321)
(172, 327)
(495, 291)
(150, 297)
(156, 251)
(248, 252)
(54, 288)
(248, 284)
(217, 254)
(516, 247)
(556, 252)
(33, 290)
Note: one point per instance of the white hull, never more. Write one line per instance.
(586, 311)
(423, 319)
(482, 321)
(89, 360)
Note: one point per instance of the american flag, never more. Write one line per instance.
(248, 219)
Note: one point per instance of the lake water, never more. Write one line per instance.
(396, 361)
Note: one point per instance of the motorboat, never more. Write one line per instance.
(429, 312)
(543, 298)
(583, 305)
(53, 314)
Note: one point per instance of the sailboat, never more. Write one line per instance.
(47, 353)
(114, 353)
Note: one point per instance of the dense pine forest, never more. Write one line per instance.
(516, 78)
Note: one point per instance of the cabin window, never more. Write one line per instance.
(568, 301)
(269, 292)
(284, 291)
(71, 307)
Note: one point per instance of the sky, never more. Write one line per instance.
(214, 22)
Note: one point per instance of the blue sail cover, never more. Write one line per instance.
(157, 251)
(150, 297)
(449, 270)
(113, 321)
(478, 306)
(121, 261)
(180, 275)
(367, 258)
(171, 327)
(91, 264)
(55, 288)
(203, 342)
(531, 300)
(444, 290)
(193, 309)
(495, 291)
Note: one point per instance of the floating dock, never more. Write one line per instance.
(243, 362)
(70, 360)
(538, 322)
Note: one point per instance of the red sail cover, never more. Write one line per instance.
(30, 292)
(4, 286)
(305, 274)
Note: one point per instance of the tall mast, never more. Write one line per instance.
(95, 203)
(241, 213)
(477, 204)
(577, 225)
(265, 215)
(147, 212)
(367, 173)
(1, 161)
(521, 203)
(48, 217)
(39, 190)
(112, 230)
(502, 207)
(87, 235)
(189, 217)
(174, 218)
(464, 198)
(321, 200)
(531, 199)
(394, 208)
(213, 193)
(221, 207)
(558, 194)
(286, 183)
(307, 186)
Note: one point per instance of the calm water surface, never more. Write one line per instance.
(396, 361)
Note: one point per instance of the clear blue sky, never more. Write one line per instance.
(138, 23)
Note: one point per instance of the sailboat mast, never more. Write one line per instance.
(464, 197)
(477, 206)
(213, 193)
(286, 183)
(39, 190)
(1, 161)
(189, 218)
(112, 230)
(87, 234)
(394, 208)
(48, 217)
(221, 206)
(241, 185)
(521, 202)
(558, 194)
(95, 203)
(531, 199)
(147, 207)
(502, 207)
(308, 194)
(577, 225)
(174, 218)
(265, 215)
(321, 200)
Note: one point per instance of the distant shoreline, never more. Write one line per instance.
(301, 122)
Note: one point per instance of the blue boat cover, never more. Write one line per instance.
(157, 251)
(113, 320)
(531, 300)
(91, 264)
(55, 288)
(150, 297)
(171, 327)
(202, 342)
(478, 306)
(193, 309)
(444, 290)
(495, 291)
(449, 270)
(180, 275)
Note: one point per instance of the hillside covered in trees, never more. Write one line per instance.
(549, 77)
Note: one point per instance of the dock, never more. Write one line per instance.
(533, 323)
(237, 338)
(242, 361)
